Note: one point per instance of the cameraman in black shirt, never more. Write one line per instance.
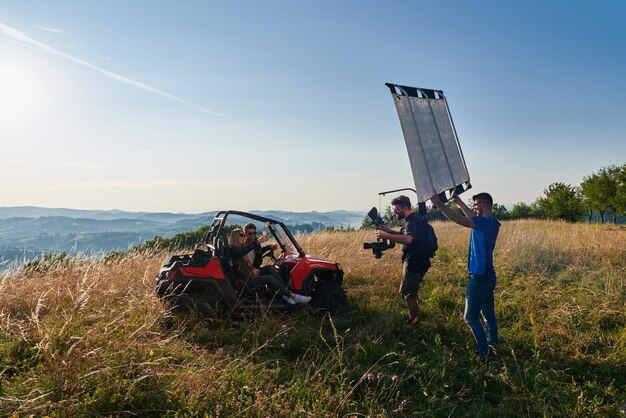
(414, 264)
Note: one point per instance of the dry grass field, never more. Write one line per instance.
(89, 338)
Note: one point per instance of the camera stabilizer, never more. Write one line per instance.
(381, 245)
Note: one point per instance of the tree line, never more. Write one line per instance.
(600, 196)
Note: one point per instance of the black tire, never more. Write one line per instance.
(329, 296)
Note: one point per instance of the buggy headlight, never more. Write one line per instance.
(339, 266)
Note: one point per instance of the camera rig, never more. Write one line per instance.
(381, 245)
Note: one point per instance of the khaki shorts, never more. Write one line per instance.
(411, 282)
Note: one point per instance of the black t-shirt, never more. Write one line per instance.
(414, 225)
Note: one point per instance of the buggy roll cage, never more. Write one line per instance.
(215, 244)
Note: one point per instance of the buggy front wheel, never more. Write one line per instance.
(329, 296)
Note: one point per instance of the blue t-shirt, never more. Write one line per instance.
(482, 244)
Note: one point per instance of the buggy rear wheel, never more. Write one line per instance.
(204, 303)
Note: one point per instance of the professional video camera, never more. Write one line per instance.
(381, 244)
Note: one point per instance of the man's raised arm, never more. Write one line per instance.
(452, 215)
(459, 202)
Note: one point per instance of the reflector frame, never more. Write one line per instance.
(432, 143)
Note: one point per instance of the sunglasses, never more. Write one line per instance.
(242, 235)
(251, 233)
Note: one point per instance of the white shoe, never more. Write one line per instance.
(302, 299)
(289, 300)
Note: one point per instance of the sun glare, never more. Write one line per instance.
(19, 92)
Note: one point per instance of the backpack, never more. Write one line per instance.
(427, 240)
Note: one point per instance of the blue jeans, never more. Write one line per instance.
(479, 300)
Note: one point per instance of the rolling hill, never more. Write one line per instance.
(28, 231)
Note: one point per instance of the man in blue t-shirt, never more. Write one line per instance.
(482, 275)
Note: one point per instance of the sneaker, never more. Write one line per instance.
(302, 299)
(289, 300)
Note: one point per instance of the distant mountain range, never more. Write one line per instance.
(29, 231)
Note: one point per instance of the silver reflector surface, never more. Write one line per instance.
(434, 151)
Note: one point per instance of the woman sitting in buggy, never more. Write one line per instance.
(243, 268)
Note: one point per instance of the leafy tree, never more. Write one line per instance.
(561, 201)
(620, 193)
(522, 210)
(434, 214)
(591, 193)
(599, 192)
(390, 218)
(610, 184)
(536, 211)
(500, 211)
(367, 223)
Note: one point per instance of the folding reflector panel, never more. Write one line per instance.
(434, 152)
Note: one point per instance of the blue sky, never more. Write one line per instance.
(195, 106)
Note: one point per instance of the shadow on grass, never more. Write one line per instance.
(428, 369)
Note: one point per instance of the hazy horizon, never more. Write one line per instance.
(185, 213)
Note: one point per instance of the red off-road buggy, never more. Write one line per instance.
(204, 281)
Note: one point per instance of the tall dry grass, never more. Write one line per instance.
(83, 338)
